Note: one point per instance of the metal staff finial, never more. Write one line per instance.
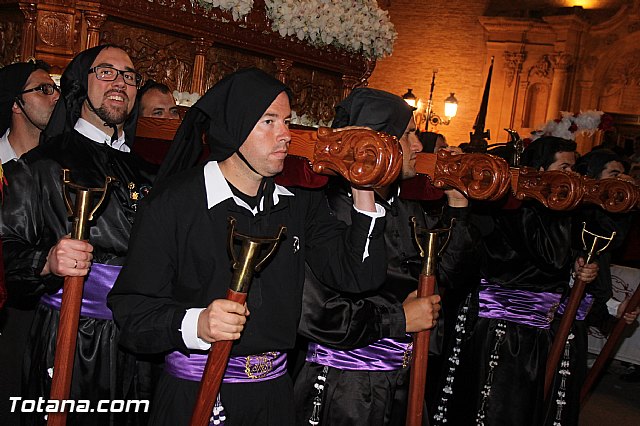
(81, 213)
(596, 238)
(427, 242)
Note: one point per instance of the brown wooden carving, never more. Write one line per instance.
(363, 157)
(29, 30)
(161, 57)
(221, 61)
(54, 29)
(10, 40)
(478, 176)
(614, 195)
(556, 190)
(315, 93)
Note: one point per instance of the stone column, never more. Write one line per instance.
(561, 63)
(513, 68)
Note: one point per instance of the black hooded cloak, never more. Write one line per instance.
(179, 260)
(34, 218)
(343, 321)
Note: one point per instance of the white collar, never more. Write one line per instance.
(97, 135)
(218, 189)
(7, 152)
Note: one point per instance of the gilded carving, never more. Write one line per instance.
(54, 29)
(10, 37)
(165, 59)
(315, 93)
(222, 61)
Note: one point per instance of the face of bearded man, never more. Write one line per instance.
(112, 100)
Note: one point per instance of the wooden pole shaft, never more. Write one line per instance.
(213, 373)
(66, 345)
(418, 375)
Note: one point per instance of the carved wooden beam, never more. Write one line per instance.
(363, 157)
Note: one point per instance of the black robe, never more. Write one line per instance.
(524, 249)
(34, 218)
(344, 321)
(178, 259)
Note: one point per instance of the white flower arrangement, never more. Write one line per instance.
(569, 125)
(305, 120)
(238, 8)
(359, 26)
(185, 98)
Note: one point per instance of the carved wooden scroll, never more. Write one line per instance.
(556, 190)
(559, 190)
(363, 157)
(477, 176)
(613, 195)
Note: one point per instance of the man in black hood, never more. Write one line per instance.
(90, 134)
(170, 297)
(356, 369)
(27, 98)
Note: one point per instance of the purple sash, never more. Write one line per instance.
(383, 355)
(583, 309)
(94, 296)
(240, 369)
(520, 306)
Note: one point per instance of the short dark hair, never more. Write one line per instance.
(153, 85)
(593, 163)
(542, 151)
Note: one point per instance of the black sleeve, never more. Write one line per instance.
(141, 300)
(32, 218)
(346, 321)
(335, 250)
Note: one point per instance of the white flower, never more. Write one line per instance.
(185, 98)
(238, 8)
(359, 26)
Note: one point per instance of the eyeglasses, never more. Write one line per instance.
(45, 88)
(103, 73)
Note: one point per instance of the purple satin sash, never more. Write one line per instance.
(94, 296)
(240, 369)
(383, 355)
(583, 308)
(520, 306)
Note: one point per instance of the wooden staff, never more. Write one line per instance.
(609, 347)
(426, 288)
(243, 269)
(569, 314)
(71, 296)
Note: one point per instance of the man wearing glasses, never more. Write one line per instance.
(90, 133)
(27, 97)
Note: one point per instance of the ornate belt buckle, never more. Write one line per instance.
(259, 366)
